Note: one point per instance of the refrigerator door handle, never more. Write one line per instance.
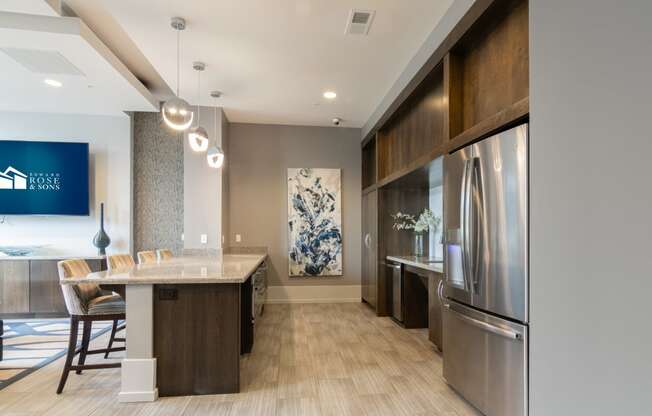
(463, 222)
(477, 220)
(485, 326)
(465, 211)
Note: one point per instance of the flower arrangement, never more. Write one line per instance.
(427, 221)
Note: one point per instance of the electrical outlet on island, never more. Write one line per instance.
(204, 238)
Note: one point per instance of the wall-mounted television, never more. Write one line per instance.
(43, 178)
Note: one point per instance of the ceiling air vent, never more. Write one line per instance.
(359, 22)
(42, 62)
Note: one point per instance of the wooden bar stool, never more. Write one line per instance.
(147, 257)
(86, 303)
(164, 254)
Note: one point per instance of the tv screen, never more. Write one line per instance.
(43, 178)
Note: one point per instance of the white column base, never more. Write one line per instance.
(139, 368)
(138, 380)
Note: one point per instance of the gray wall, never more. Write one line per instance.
(203, 196)
(259, 156)
(591, 207)
(158, 184)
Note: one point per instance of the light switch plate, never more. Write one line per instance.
(204, 239)
(238, 238)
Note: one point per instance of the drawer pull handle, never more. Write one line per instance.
(485, 326)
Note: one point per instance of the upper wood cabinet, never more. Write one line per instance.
(415, 134)
(369, 163)
(487, 73)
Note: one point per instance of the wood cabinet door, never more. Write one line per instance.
(45, 291)
(369, 279)
(435, 326)
(14, 286)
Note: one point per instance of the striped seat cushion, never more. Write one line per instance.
(106, 305)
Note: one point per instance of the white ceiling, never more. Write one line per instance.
(105, 86)
(274, 59)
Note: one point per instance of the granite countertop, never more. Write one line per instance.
(228, 268)
(420, 262)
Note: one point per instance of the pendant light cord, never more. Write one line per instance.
(198, 95)
(178, 36)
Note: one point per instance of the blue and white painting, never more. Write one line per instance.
(315, 222)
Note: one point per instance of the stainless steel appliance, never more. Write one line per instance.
(395, 271)
(486, 273)
(259, 290)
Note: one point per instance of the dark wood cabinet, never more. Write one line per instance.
(199, 331)
(369, 278)
(14, 286)
(435, 325)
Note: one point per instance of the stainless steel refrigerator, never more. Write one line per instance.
(486, 273)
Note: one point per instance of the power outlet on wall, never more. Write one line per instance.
(238, 238)
(204, 239)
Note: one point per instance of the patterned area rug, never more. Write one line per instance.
(30, 344)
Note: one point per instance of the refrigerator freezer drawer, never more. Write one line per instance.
(486, 360)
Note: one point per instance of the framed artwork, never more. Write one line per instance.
(314, 222)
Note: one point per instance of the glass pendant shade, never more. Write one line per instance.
(177, 114)
(198, 139)
(215, 157)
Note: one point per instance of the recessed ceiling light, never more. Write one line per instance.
(330, 95)
(53, 83)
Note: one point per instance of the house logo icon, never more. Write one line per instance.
(12, 178)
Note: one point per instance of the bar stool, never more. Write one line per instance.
(120, 262)
(86, 303)
(115, 263)
(164, 254)
(147, 257)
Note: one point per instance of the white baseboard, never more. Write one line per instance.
(313, 294)
(138, 396)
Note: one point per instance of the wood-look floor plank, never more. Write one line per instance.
(312, 359)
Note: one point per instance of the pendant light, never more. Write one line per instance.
(215, 155)
(177, 113)
(197, 136)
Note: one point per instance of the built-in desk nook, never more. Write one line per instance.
(421, 294)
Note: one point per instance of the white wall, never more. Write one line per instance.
(110, 179)
(202, 205)
(591, 207)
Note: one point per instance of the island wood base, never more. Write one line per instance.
(200, 330)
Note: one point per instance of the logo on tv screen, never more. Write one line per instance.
(43, 178)
(12, 178)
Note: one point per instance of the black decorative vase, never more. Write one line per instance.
(101, 240)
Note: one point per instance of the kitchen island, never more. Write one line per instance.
(188, 321)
